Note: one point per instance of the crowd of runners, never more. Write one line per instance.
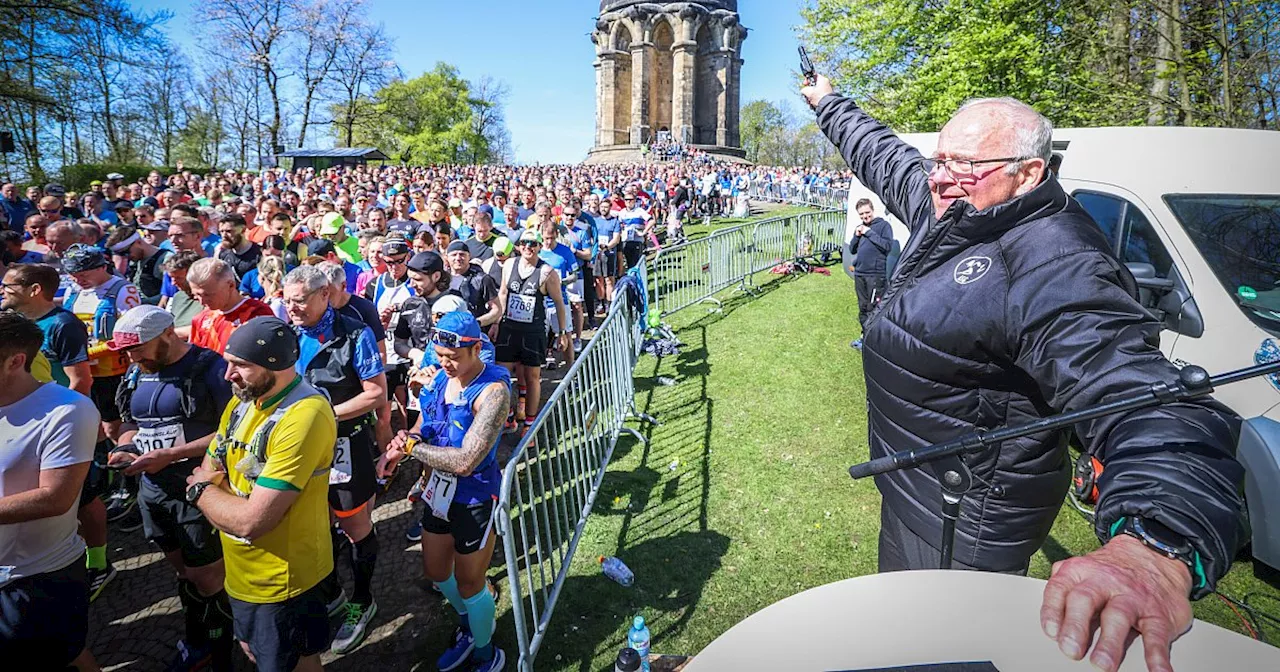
(237, 363)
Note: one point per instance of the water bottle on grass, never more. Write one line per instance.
(638, 639)
(617, 570)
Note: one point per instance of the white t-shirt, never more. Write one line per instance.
(632, 222)
(392, 296)
(50, 428)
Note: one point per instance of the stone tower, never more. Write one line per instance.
(667, 69)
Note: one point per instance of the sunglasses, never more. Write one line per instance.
(448, 339)
(529, 243)
(396, 262)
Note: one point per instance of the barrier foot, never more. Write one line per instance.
(638, 435)
(719, 306)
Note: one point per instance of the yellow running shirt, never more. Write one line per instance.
(292, 558)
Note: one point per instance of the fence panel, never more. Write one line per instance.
(551, 480)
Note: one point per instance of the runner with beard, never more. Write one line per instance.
(171, 397)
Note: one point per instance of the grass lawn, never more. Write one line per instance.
(697, 229)
(741, 497)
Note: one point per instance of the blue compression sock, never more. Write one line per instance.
(480, 610)
(449, 588)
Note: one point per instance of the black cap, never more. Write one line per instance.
(265, 341)
(426, 262)
(395, 246)
(458, 246)
(321, 248)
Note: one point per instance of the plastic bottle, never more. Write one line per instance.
(617, 570)
(627, 661)
(638, 639)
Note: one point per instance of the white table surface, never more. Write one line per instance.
(915, 618)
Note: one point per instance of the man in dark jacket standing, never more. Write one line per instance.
(870, 247)
(1008, 305)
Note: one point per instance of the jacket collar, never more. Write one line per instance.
(973, 224)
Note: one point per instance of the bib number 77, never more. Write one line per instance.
(441, 488)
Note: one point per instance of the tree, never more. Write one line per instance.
(254, 32)
(488, 114)
(428, 119)
(324, 29)
(759, 121)
(363, 64)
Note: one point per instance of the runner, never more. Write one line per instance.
(388, 292)
(470, 281)
(49, 433)
(463, 412)
(264, 485)
(339, 356)
(214, 284)
(634, 223)
(173, 396)
(527, 281)
(29, 289)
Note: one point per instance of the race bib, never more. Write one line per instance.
(441, 487)
(603, 240)
(413, 403)
(154, 438)
(340, 472)
(520, 307)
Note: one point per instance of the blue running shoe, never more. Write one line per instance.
(494, 664)
(856, 345)
(456, 655)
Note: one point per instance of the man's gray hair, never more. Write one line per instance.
(336, 274)
(65, 226)
(1032, 131)
(310, 277)
(210, 269)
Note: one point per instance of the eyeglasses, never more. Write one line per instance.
(449, 339)
(54, 211)
(962, 169)
(396, 262)
(299, 301)
(529, 243)
(8, 285)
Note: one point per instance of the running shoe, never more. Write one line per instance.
(190, 660)
(98, 579)
(354, 628)
(458, 652)
(856, 345)
(577, 345)
(119, 504)
(494, 664)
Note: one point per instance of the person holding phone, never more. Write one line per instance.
(171, 399)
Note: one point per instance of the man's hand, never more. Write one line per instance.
(1122, 586)
(150, 462)
(820, 89)
(389, 461)
(200, 475)
(862, 228)
(566, 345)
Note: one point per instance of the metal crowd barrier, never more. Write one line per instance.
(799, 194)
(551, 480)
(694, 272)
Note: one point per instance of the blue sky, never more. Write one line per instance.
(542, 50)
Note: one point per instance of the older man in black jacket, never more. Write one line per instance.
(1008, 306)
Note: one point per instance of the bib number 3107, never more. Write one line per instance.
(441, 488)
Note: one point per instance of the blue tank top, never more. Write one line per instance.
(445, 424)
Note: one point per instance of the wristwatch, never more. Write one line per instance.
(1159, 538)
(195, 490)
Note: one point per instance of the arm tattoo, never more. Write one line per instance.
(491, 412)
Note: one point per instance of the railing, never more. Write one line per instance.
(798, 194)
(694, 272)
(551, 481)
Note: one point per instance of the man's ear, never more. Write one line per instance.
(1031, 174)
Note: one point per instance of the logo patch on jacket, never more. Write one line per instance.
(970, 269)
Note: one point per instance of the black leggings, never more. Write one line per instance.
(632, 250)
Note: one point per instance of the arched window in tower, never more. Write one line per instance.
(662, 83)
(708, 85)
(622, 91)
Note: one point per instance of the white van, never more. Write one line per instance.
(1195, 215)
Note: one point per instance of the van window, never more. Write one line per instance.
(1130, 233)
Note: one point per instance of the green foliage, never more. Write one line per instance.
(428, 119)
(1080, 62)
(774, 136)
(759, 121)
(77, 177)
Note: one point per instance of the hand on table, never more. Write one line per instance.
(1123, 586)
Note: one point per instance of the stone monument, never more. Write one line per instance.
(667, 70)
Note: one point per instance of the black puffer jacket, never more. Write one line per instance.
(1010, 314)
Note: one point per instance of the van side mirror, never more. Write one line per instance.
(1169, 299)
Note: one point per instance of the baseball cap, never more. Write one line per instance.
(531, 235)
(503, 245)
(54, 189)
(321, 248)
(265, 341)
(115, 176)
(456, 329)
(486, 209)
(331, 224)
(448, 303)
(81, 257)
(426, 262)
(457, 246)
(395, 246)
(139, 325)
(156, 225)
